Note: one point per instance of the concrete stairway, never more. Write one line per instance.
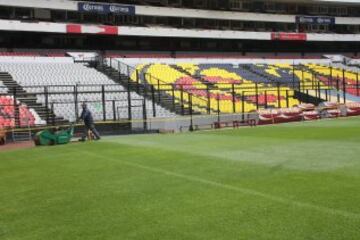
(29, 99)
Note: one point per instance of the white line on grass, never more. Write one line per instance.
(242, 190)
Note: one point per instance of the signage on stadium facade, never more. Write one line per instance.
(288, 36)
(315, 20)
(92, 29)
(116, 9)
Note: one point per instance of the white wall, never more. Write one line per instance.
(48, 4)
(136, 61)
(173, 12)
(347, 20)
(333, 37)
(192, 33)
(224, 15)
(6, 59)
(9, 25)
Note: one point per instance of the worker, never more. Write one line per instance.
(87, 117)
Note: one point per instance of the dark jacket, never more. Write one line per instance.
(86, 116)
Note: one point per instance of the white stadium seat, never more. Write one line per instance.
(60, 79)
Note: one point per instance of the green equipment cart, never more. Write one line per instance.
(54, 137)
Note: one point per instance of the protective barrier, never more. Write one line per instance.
(159, 100)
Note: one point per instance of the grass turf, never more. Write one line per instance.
(291, 181)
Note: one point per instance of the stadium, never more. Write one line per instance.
(197, 119)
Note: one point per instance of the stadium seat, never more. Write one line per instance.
(210, 84)
(336, 77)
(60, 79)
(27, 117)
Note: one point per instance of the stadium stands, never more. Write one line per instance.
(207, 85)
(212, 83)
(60, 78)
(3, 89)
(340, 78)
(27, 116)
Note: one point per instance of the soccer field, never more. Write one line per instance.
(290, 181)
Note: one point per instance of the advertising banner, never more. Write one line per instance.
(315, 20)
(116, 9)
(289, 36)
(92, 29)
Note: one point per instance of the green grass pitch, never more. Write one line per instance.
(290, 181)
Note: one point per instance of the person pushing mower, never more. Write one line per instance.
(86, 116)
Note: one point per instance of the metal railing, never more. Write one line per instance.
(115, 102)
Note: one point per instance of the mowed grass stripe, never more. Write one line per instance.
(295, 181)
(232, 188)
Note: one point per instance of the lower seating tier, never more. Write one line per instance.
(10, 110)
(62, 79)
(218, 86)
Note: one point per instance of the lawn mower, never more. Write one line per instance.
(54, 136)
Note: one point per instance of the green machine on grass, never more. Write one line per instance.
(54, 137)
